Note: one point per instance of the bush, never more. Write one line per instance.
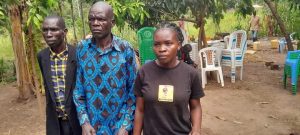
(7, 71)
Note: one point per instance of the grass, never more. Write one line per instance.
(228, 24)
(6, 50)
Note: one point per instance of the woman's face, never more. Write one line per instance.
(165, 47)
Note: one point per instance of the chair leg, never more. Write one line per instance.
(294, 78)
(233, 74)
(284, 79)
(218, 79)
(294, 89)
(221, 77)
(241, 73)
(203, 78)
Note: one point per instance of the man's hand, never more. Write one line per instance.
(87, 129)
(194, 132)
(122, 131)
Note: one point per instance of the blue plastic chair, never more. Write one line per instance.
(291, 69)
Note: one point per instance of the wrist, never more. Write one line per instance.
(85, 124)
(196, 130)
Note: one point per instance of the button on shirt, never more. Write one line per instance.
(58, 64)
(104, 85)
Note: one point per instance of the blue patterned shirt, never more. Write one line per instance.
(104, 86)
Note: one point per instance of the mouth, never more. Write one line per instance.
(50, 41)
(162, 56)
(96, 30)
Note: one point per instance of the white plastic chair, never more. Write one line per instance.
(226, 40)
(233, 55)
(210, 62)
(194, 53)
(282, 42)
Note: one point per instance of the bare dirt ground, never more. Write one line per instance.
(257, 105)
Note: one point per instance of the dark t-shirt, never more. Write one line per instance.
(164, 115)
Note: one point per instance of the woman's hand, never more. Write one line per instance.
(194, 132)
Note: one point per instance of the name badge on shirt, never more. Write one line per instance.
(165, 93)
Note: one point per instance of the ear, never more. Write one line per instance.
(178, 48)
(113, 22)
(65, 31)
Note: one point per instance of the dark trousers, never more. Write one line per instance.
(65, 127)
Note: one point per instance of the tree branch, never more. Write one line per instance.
(187, 20)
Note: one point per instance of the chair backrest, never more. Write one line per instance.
(293, 54)
(194, 53)
(145, 41)
(226, 40)
(237, 39)
(283, 40)
(292, 36)
(208, 57)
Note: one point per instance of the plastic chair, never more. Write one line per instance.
(291, 69)
(282, 42)
(145, 42)
(194, 54)
(226, 40)
(210, 62)
(234, 54)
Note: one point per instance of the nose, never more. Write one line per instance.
(162, 48)
(48, 33)
(96, 22)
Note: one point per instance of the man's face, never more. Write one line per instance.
(53, 32)
(100, 22)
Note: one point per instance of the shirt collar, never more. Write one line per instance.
(60, 55)
(114, 43)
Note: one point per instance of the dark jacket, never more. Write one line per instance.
(52, 123)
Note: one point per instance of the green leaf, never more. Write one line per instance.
(43, 10)
(36, 22)
(142, 18)
(39, 17)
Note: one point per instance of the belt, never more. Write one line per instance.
(65, 118)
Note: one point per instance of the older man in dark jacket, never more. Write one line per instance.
(58, 67)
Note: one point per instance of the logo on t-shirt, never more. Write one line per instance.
(165, 93)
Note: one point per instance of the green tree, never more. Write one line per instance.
(282, 27)
(172, 10)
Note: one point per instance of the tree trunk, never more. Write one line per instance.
(202, 43)
(280, 23)
(23, 79)
(60, 7)
(82, 20)
(203, 35)
(32, 64)
(73, 20)
(199, 38)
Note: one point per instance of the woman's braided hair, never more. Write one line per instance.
(173, 27)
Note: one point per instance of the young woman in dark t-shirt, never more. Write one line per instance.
(168, 91)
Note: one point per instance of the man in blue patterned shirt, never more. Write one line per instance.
(105, 75)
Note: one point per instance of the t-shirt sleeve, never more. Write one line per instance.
(196, 88)
(138, 85)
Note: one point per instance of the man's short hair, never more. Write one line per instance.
(61, 21)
